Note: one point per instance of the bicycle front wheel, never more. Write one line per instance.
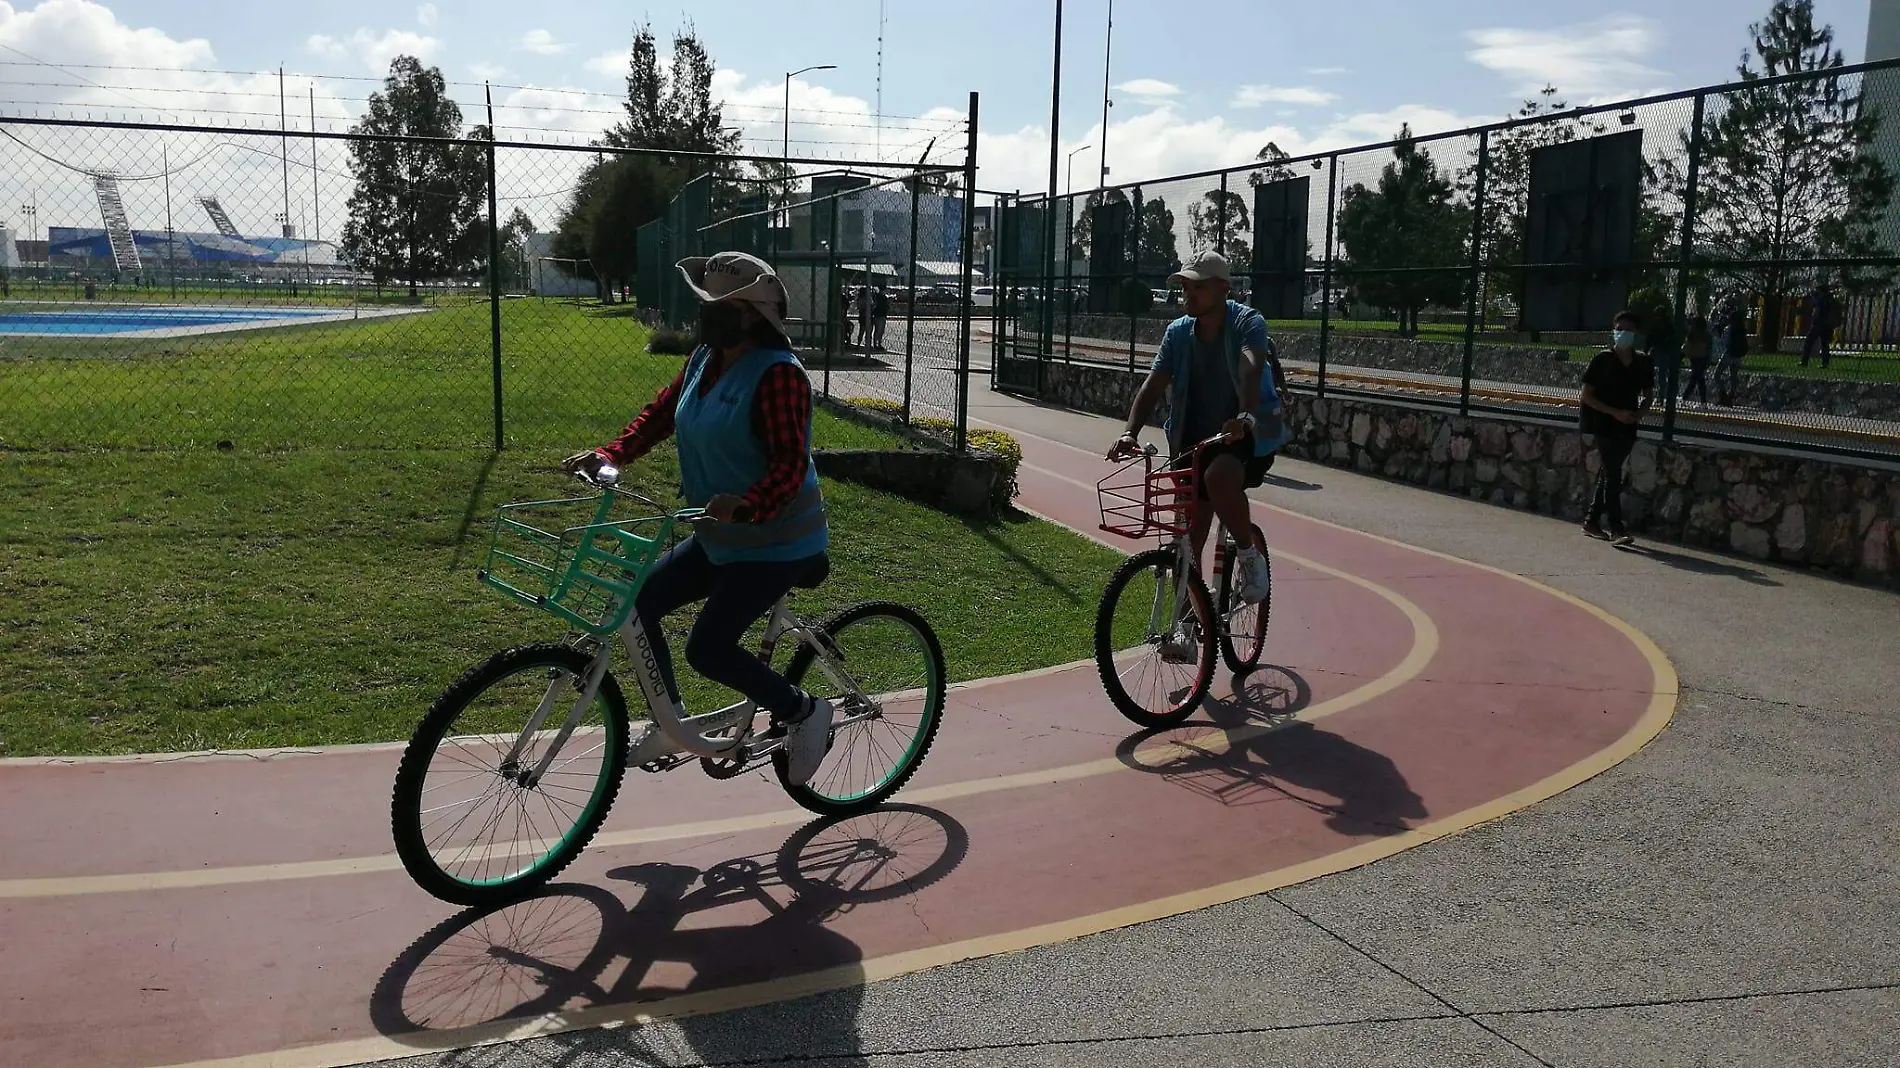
(886, 710)
(474, 824)
(1243, 636)
(1154, 639)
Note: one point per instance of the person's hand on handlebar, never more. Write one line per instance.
(1237, 428)
(586, 463)
(1125, 446)
(728, 508)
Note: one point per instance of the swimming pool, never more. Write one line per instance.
(150, 321)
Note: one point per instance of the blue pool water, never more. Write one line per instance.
(129, 320)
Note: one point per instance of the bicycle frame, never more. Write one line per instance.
(1185, 558)
(669, 732)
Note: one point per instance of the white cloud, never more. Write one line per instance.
(541, 43)
(1601, 59)
(374, 49)
(425, 15)
(609, 64)
(1150, 91)
(487, 71)
(1253, 96)
(1328, 70)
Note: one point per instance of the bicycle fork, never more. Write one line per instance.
(590, 689)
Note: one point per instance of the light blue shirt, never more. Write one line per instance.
(1245, 328)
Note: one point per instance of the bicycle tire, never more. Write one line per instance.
(1164, 561)
(1237, 653)
(919, 745)
(406, 803)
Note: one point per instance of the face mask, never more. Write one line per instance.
(1623, 339)
(719, 326)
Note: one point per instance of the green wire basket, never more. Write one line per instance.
(577, 559)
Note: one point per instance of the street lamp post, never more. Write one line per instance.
(1071, 167)
(785, 149)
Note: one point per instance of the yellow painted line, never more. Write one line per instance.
(1656, 716)
(1424, 647)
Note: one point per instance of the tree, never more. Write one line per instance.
(1785, 172)
(632, 191)
(1210, 229)
(1409, 221)
(1275, 167)
(1156, 248)
(416, 209)
(514, 245)
(1082, 230)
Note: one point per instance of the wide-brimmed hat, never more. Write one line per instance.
(737, 276)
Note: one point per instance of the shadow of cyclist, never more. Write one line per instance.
(1253, 750)
(691, 941)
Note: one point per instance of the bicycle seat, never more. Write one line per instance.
(815, 577)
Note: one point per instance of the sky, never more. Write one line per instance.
(1193, 87)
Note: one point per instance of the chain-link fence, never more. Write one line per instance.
(1752, 224)
(189, 286)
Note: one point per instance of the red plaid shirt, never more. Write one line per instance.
(781, 408)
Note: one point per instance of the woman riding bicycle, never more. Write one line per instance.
(741, 410)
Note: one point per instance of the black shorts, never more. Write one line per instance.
(1256, 467)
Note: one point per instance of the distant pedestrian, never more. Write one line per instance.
(1618, 388)
(1731, 345)
(864, 316)
(1823, 317)
(1698, 346)
(880, 311)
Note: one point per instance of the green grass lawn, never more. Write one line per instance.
(190, 600)
(314, 582)
(571, 375)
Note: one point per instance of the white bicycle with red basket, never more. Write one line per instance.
(1158, 626)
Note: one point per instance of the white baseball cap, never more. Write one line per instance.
(1213, 265)
(731, 276)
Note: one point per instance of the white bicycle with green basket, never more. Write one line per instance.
(515, 766)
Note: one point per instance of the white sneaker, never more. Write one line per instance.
(807, 742)
(1255, 582)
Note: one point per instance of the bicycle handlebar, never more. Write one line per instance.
(607, 479)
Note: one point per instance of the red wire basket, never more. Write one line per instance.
(1139, 502)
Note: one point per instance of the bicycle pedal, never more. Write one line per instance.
(665, 763)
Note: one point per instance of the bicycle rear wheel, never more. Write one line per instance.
(1244, 637)
(893, 709)
(472, 824)
(1155, 666)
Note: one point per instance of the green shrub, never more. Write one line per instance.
(667, 341)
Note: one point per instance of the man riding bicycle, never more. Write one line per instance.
(741, 409)
(1209, 359)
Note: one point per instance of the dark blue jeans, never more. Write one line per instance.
(736, 595)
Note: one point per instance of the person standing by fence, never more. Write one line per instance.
(1731, 344)
(1698, 346)
(880, 311)
(1823, 314)
(1618, 388)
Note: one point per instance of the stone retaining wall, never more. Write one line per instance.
(1829, 514)
(1521, 365)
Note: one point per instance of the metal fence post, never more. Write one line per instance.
(494, 284)
(836, 301)
(910, 315)
(1688, 250)
(969, 291)
(1326, 272)
(1477, 268)
(1133, 319)
(1220, 218)
(1068, 282)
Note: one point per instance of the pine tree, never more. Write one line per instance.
(1785, 172)
(1409, 221)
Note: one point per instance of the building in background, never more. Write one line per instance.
(549, 276)
(9, 253)
(90, 249)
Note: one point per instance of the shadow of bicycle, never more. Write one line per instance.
(577, 956)
(1253, 750)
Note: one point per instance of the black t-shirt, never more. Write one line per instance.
(1618, 386)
